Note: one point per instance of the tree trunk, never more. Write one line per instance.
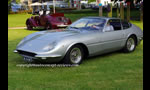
(122, 11)
(100, 11)
(128, 11)
(141, 12)
(29, 4)
(132, 4)
(110, 13)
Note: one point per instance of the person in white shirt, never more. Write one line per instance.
(108, 28)
(41, 12)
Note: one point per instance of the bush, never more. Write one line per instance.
(82, 6)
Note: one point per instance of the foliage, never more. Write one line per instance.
(17, 1)
(83, 6)
(9, 6)
(9, 1)
(67, 1)
(91, 1)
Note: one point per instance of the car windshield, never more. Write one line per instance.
(88, 24)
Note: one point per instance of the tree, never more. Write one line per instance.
(91, 1)
(9, 6)
(29, 2)
(17, 1)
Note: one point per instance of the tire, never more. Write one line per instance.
(48, 26)
(29, 27)
(74, 55)
(130, 44)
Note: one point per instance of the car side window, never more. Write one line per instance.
(116, 24)
(125, 24)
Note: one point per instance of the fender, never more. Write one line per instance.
(130, 35)
(73, 45)
(33, 22)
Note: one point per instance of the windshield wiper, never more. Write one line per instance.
(74, 27)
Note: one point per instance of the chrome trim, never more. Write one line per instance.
(15, 51)
(28, 56)
(62, 25)
(141, 38)
(53, 56)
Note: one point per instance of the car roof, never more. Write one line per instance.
(102, 17)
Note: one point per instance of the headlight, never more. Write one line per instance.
(49, 47)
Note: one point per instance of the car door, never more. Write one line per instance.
(112, 40)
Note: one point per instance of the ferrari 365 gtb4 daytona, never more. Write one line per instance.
(85, 37)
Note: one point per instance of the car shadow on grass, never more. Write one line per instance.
(93, 58)
(103, 55)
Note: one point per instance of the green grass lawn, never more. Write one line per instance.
(18, 20)
(114, 71)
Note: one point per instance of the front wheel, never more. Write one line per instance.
(48, 26)
(130, 44)
(74, 55)
(29, 27)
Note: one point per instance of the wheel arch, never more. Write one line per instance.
(28, 20)
(133, 35)
(85, 48)
(32, 22)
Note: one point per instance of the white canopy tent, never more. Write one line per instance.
(48, 3)
(36, 4)
(53, 3)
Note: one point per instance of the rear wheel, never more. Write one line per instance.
(74, 55)
(130, 44)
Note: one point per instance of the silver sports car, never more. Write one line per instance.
(85, 37)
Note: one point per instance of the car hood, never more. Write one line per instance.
(37, 41)
(54, 35)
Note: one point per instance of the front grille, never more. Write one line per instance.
(26, 53)
(65, 20)
(62, 19)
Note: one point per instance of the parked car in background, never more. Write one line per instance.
(48, 21)
(15, 7)
(89, 36)
(63, 6)
(95, 7)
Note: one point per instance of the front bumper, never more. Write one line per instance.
(140, 39)
(40, 57)
(62, 26)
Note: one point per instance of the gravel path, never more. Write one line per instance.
(16, 27)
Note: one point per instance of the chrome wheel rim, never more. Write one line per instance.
(130, 44)
(75, 55)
